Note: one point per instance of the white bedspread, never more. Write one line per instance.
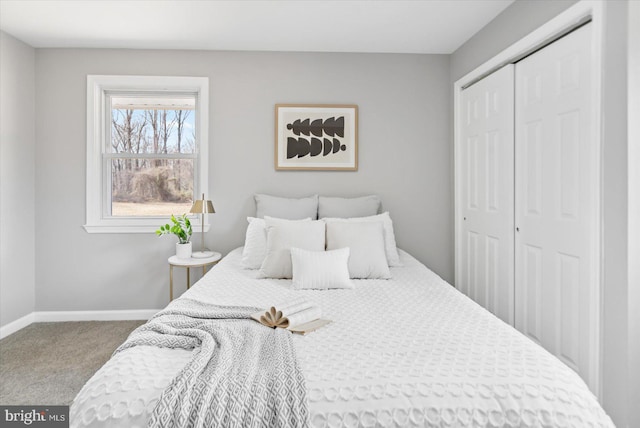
(410, 351)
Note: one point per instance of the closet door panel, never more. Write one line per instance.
(553, 217)
(485, 238)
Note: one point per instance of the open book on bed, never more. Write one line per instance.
(298, 316)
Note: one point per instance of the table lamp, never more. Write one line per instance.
(202, 207)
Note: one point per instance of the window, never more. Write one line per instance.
(146, 150)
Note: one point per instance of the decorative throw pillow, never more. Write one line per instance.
(391, 250)
(287, 208)
(284, 235)
(365, 240)
(255, 242)
(320, 269)
(348, 207)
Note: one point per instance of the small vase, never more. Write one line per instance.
(183, 251)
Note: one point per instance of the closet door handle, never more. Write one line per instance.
(517, 229)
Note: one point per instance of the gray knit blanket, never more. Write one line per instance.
(242, 374)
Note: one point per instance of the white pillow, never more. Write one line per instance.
(281, 237)
(391, 250)
(255, 242)
(348, 207)
(287, 208)
(366, 243)
(320, 269)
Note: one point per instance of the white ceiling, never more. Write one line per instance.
(427, 26)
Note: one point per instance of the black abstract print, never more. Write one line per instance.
(315, 138)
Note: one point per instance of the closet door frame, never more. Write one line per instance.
(573, 17)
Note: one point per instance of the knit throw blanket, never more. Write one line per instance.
(242, 373)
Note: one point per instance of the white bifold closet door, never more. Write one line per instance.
(485, 241)
(526, 242)
(555, 201)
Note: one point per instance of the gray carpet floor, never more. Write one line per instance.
(48, 363)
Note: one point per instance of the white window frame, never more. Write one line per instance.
(99, 117)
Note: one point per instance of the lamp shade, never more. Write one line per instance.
(202, 206)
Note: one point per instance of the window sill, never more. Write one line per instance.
(113, 228)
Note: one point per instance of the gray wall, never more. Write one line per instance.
(634, 209)
(512, 24)
(17, 148)
(404, 152)
(615, 230)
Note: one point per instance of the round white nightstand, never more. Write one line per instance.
(190, 263)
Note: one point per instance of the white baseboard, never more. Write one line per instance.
(16, 325)
(60, 316)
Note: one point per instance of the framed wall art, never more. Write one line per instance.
(316, 137)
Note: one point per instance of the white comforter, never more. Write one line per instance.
(410, 351)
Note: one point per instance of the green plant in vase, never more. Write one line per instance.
(181, 228)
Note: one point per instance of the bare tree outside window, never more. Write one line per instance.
(152, 155)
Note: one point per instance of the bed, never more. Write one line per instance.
(406, 351)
